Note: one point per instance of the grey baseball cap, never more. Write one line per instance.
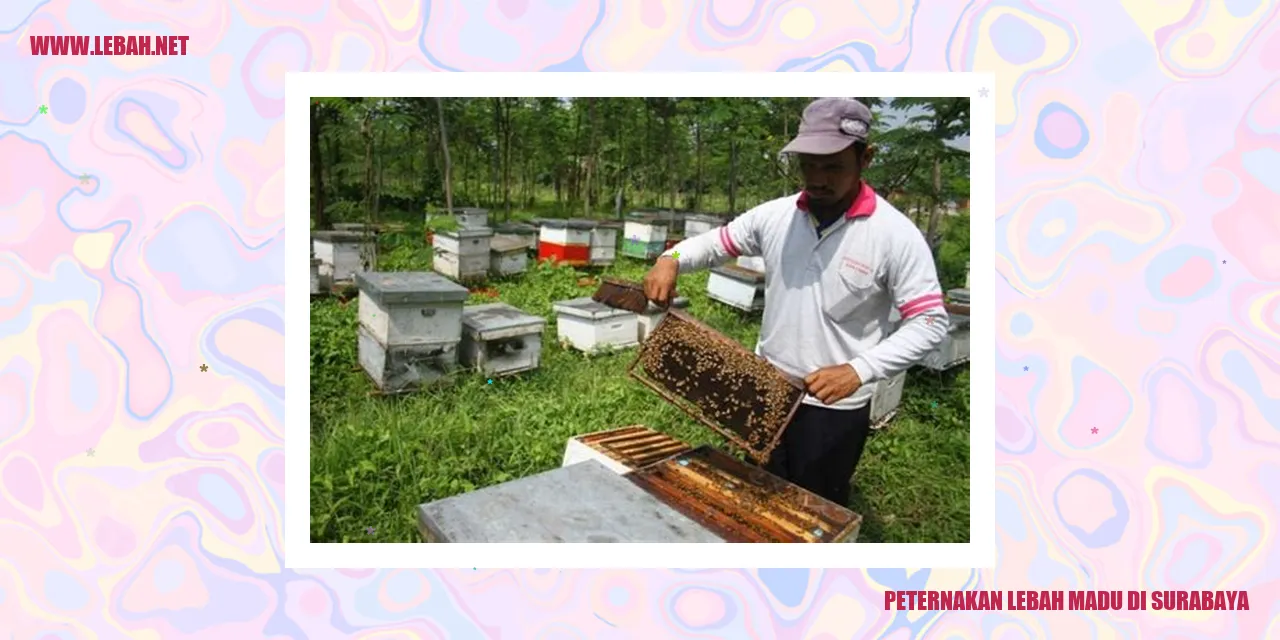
(829, 125)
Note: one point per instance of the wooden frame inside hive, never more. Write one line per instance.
(718, 383)
(742, 503)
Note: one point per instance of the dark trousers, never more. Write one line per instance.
(821, 448)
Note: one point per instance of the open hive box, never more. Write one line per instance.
(718, 382)
(742, 503)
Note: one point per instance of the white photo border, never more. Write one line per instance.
(979, 552)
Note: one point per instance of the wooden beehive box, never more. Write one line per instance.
(462, 254)
(471, 217)
(644, 237)
(647, 321)
(752, 263)
(356, 227)
(737, 287)
(700, 223)
(579, 503)
(525, 233)
(718, 382)
(590, 326)
(500, 339)
(565, 241)
(885, 400)
(410, 327)
(743, 503)
(622, 450)
(508, 255)
(954, 350)
(604, 244)
(342, 254)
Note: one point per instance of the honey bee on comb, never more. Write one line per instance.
(718, 382)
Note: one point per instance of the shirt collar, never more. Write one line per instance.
(864, 204)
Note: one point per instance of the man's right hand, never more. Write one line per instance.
(660, 282)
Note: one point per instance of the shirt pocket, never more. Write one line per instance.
(846, 287)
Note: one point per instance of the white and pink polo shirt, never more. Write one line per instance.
(828, 296)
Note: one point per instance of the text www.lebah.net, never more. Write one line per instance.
(109, 45)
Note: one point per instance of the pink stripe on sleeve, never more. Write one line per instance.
(727, 242)
(920, 305)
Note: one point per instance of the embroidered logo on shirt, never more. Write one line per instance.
(858, 266)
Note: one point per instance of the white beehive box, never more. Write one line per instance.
(407, 308)
(315, 276)
(590, 326)
(754, 263)
(460, 268)
(471, 218)
(604, 244)
(649, 319)
(527, 234)
(410, 327)
(573, 233)
(400, 369)
(885, 400)
(954, 349)
(645, 231)
(698, 224)
(508, 255)
(500, 339)
(464, 242)
(340, 253)
(737, 287)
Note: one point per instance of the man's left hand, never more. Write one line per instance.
(833, 384)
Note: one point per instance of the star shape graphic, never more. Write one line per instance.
(935, 404)
(675, 254)
(369, 530)
(204, 367)
(982, 92)
(90, 452)
(1094, 430)
(1026, 368)
(44, 109)
(84, 178)
(490, 380)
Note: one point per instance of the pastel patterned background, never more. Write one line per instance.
(1138, 284)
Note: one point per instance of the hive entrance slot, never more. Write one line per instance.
(718, 382)
(503, 347)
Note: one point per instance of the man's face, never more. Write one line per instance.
(831, 179)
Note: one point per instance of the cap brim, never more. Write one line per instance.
(818, 145)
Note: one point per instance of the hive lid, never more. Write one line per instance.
(718, 382)
(739, 273)
(498, 316)
(588, 308)
(517, 228)
(584, 502)
(743, 503)
(470, 211)
(409, 287)
(467, 234)
(507, 244)
(575, 223)
(358, 227)
(609, 224)
(703, 217)
(647, 219)
(338, 236)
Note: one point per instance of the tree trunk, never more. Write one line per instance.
(366, 132)
(936, 215)
(317, 170)
(448, 165)
(591, 158)
(697, 145)
(733, 174)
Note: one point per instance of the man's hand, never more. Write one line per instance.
(660, 282)
(832, 384)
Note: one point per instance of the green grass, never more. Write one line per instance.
(375, 459)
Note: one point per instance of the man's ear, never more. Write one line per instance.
(867, 155)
